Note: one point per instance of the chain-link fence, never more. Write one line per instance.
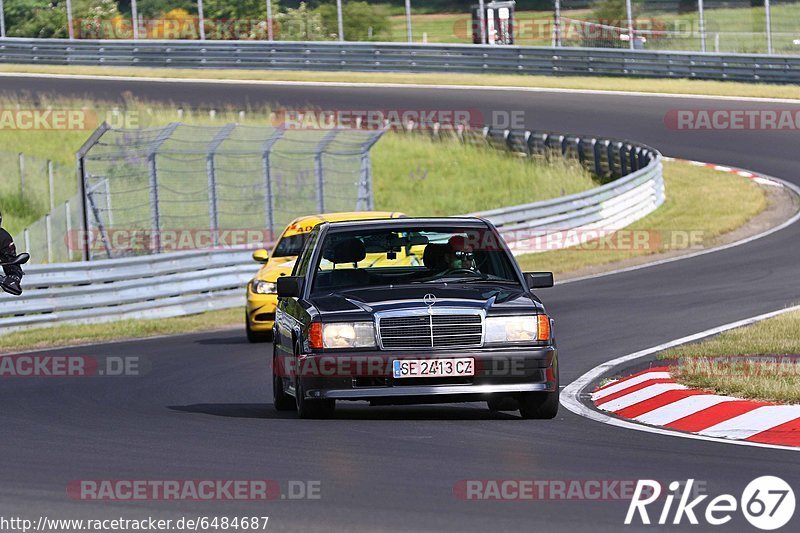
(30, 186)
(190, 186)
(721, 26)
(718, 26)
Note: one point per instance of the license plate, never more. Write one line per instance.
(433, 368)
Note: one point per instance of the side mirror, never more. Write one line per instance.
(21, 259)
(261, 255)
(539, 280)
(290, 286)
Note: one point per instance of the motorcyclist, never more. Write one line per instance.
(13, 277)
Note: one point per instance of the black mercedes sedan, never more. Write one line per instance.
(412, 310)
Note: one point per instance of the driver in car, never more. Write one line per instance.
(458, 254)
(11, 282)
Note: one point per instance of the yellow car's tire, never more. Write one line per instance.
(256, 336)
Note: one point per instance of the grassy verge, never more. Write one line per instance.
(113, 331)
(411, 173)
(729, 363)
(424, 178)
(694, 87)
(686, 218)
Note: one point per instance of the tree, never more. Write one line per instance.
(358, 18)
(301, 24)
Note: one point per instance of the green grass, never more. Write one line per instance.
(426, 178)
(702, 365)
(736, 200)
(124, 329)
(683, 86)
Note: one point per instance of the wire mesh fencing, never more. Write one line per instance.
(32, 185)
(191, 186)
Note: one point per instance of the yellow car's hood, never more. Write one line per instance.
(276, 267)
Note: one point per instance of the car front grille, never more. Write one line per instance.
(436, 330)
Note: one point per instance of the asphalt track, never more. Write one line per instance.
(203, 411)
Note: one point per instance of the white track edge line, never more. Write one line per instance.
(367, 85)
(570, 396)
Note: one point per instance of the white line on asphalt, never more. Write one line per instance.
(681, 409)
(369, 85)
(571, 395)
(753, 422)
(627, 383)
(646, 393)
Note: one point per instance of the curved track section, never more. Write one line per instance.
(202, 410)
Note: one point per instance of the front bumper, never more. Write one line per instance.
(261, 310)
(369, 376)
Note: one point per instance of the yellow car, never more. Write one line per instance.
(261, 291)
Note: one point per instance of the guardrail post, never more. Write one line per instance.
(319, 170)
(269, 197)
(598, 168)
(611, 159)
(579, 148)
(624, 168)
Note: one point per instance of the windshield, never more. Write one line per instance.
(291, 246)
(414, 255)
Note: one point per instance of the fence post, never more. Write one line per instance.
(155, 207)
(80, 161)
(69, 241)
(211, 172)
(269, 199)
(22, 174)
(48, 230)
(27, 237)
(155, 215)
(319, 170)
(50, 184)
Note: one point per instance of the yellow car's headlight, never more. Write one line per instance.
(264, 287)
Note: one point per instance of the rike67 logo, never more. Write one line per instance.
(767, 502)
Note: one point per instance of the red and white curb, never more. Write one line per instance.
(762, 180)
(654, 398)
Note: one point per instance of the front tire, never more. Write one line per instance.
(281, 400)
(311, 408)
(255, 336)
(539, 405)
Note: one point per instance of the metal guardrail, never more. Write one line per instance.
(180, 283)
(399, 57)
(154, 286)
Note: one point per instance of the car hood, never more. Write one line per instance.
(497, 297)
(276, 267)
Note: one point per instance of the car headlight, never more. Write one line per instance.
(517, 329)
(342, 335)
(265, 287)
